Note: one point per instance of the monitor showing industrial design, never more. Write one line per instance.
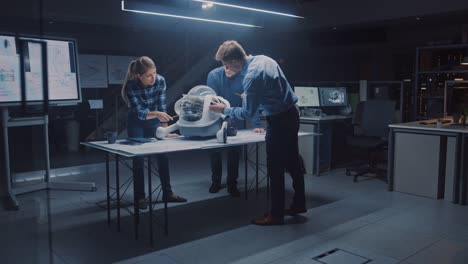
(307, 96)
(10, 75)
(333, 96)
(62, 71)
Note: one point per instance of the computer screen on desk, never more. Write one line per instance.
(307, 96)
(333, 96)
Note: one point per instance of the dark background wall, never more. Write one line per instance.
(338, 41)
(350, 43)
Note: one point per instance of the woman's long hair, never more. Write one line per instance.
(135, 68)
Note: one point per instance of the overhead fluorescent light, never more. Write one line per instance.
(248, 8)
(187, 17)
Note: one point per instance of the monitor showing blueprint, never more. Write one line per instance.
(62, 71)
(10, 71)
(307, 96)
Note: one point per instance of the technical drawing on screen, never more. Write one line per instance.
(10, 76)
(60, 64)
(307, 96)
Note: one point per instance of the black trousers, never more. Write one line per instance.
(147, 128)
(139, 179)
(283, 154)
(232, 166)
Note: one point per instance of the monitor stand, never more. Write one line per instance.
(10, 195)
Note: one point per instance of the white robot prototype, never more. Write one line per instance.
(195, 117)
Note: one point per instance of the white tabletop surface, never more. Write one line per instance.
(432, 126)
(168, 145)
(325, 117)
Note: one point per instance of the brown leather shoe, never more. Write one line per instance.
(268, 220)
(292, 211)
(174, 199)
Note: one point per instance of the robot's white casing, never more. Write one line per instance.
(195, 117)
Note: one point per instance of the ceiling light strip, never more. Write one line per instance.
(248, 8)
(187, 17)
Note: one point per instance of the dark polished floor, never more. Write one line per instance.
(359, 218)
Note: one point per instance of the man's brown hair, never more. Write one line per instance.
(231, 50)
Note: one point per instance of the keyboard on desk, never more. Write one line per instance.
(331, 116)
(335, 116)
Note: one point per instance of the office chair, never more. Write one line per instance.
(370, 120)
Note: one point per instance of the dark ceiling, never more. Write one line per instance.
(318, 14)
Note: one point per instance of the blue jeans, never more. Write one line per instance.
(147, 129)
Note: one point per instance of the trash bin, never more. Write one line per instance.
(72, 135)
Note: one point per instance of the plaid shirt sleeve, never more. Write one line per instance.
(136, 102)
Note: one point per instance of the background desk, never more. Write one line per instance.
(428, 161)
(322, 145)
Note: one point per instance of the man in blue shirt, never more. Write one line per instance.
(264, 84)
(228, 85)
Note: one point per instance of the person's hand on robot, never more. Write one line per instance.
(172, 135)
(217, 107)
(163, 117)
(259, 130)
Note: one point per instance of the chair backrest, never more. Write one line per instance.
(357, 115)
(376, 116)
(357, 118)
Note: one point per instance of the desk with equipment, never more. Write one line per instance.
(321, 108)
(427, 158)
(169, 145)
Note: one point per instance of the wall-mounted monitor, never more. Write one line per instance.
(62, 71)
(307, 96)
(333, 96)
(10, 71)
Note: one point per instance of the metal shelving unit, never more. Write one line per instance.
(435, 66)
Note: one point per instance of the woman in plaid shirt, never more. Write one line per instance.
(145, 93)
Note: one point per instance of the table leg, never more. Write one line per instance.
(246, 167)
(256, 168)
(150, 202)
(117, 185)
(136, 214)
(390, 158)
(166, 219)
(458, 165)
(317, 150)
(108, 189)
(462, 172)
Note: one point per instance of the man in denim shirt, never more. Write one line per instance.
(228, 85)
(264, 84)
